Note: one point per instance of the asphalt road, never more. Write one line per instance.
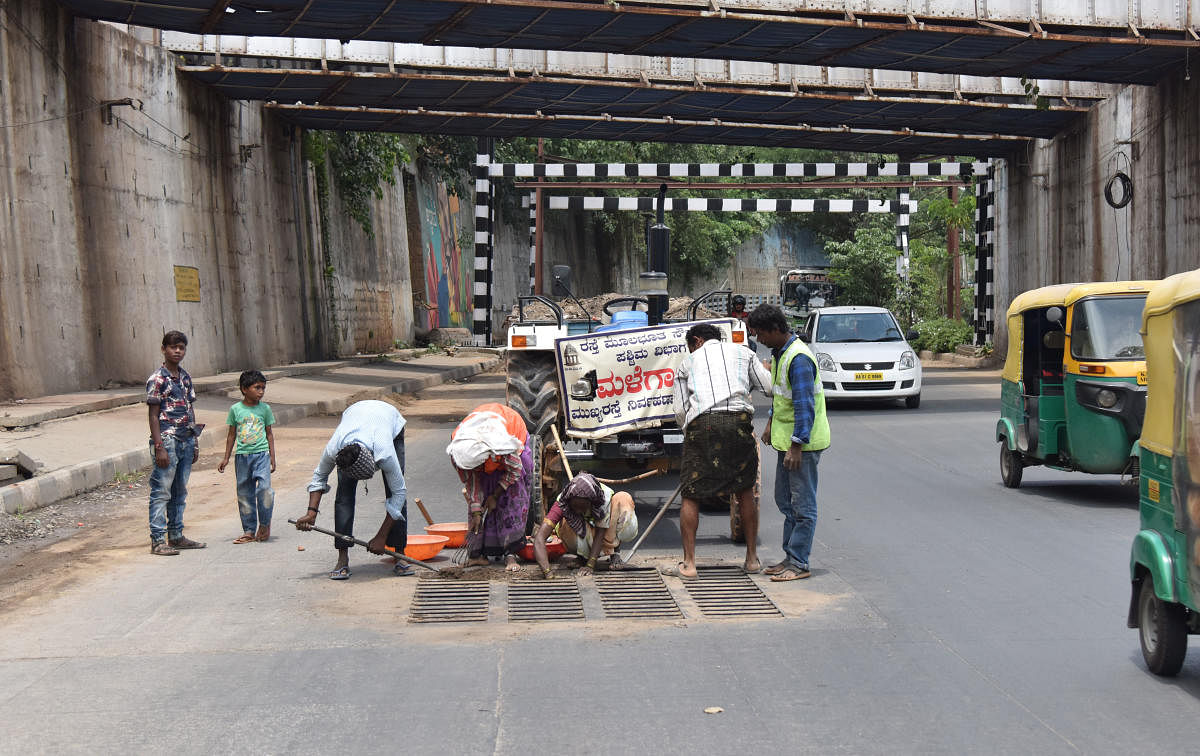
(945, 614)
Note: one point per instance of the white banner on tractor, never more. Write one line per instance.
(630, 376)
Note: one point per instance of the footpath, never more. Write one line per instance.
(76, 442)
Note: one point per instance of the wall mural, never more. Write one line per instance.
(447, 270)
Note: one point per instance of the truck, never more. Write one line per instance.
(802, 290)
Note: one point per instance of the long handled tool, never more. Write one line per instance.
(424, 511)
(352, 539)
(464, 552)
(562, 453)
(661, 511)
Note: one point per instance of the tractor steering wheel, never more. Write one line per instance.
(633, 303)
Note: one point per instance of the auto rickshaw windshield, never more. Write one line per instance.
(1106, 328)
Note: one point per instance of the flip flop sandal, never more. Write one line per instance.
(674, 572)
(341, 573)
(752, 572)
(776, 568)
(400, 569)
(244, 539)
(788, 574)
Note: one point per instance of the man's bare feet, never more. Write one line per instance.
(510, 564)
(751, 565)
(478, 561)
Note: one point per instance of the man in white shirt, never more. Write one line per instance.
(720, 451)
(369, 437)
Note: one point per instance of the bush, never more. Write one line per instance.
(943, 334)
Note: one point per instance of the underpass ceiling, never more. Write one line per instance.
(1079, 46)
(476, 92)
(623, 128)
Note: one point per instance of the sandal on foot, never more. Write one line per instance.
(245, 538)
(340, 573)
(790, 573)
(400, 569)
(263, 535)
(752, 570)
(676, 571)
(777, 568)
(160, 548)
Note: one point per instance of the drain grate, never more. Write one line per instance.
(729, 592)
(639, 594)
(450, 601)
(530, 600)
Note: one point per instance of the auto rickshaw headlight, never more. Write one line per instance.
(1106, 398)
(825, 362)
(908, 361)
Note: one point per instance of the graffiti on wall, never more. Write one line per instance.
(447, 271)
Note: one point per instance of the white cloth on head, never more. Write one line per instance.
(479, 436)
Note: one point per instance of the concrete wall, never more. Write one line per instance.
(97, 215)
(1053, 224)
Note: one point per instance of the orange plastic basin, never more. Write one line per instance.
(455, 531)
(424, 547)
(554, 548)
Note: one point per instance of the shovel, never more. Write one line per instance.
(352, 539)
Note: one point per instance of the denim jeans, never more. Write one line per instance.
(256, 498)
(796, 497)
(344, 499)
(168, 488)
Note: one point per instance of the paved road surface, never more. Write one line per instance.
(945, 614)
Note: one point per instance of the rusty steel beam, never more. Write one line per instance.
(667, 121)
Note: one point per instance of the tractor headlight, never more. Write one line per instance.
(908, 361)
(1106, 398)
(581, 389)
(825, 362)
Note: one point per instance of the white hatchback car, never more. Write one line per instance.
(863, 354)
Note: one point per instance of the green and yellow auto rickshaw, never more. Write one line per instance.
(1164, 563)
(1073, 389)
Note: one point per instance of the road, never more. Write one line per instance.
(945, 614)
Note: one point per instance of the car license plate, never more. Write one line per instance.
(868, 376)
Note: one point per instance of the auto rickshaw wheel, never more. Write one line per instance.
(1162, 628)
(1011, 466)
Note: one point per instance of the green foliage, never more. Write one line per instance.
(451, 158)
(360, 163)
(943, 334)
(865, 269)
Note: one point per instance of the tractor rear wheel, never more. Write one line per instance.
(531, 389)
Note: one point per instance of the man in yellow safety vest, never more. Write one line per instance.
(798, 430)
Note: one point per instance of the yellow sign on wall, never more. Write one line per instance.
(187, 283)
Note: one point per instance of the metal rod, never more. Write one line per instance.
(662, 510)
(352, 539)
(643, 476)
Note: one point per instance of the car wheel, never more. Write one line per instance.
(1162, 627)
(1011, 466)
(912, 402)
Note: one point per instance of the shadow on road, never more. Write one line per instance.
(1095, 494)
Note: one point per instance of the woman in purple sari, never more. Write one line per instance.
(493, 454)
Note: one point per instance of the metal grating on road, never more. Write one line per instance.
(729, 592)
(536, 600)
(450, 601)
(636, 594)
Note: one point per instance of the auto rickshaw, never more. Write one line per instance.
(1073, 389)
(1164, 563)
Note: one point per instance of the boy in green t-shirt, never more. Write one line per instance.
(250, 422)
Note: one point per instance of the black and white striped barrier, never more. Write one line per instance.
(743, 170)
(713, 205)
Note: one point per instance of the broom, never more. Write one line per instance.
(464, 552)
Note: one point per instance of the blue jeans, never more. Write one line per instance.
(796, 497)
(343, 506)
(168, 488)
(256, 498)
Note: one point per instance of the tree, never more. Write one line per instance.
(865, 269)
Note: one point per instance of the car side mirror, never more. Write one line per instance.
(912, 335)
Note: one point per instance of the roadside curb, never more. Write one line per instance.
(43, 490)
